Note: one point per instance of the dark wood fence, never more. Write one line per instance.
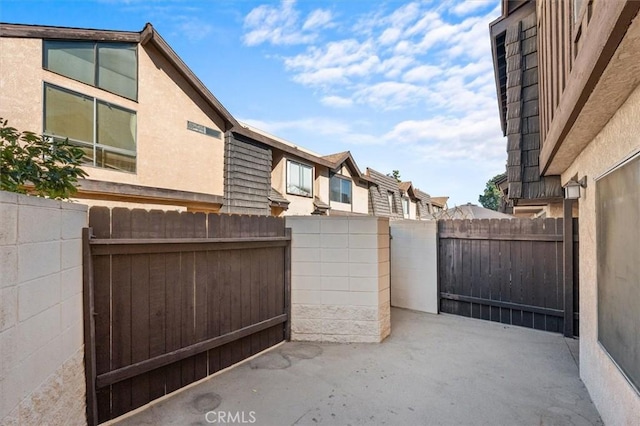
(506, 270)
(173, 297)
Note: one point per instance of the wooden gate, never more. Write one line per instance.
(508, 270)
(171, 298)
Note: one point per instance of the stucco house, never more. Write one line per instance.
(301, 182)
(571, 69)
(134, 107)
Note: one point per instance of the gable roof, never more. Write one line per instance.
(345, 157)
(439, 201)
(144, 37)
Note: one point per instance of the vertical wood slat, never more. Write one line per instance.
(89, 329)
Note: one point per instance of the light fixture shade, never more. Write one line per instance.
(572, 190)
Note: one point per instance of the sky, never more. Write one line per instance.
(403, 85)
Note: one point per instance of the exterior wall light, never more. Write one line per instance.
(572, 188)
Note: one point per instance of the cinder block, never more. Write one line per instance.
(363, 284)
(363, 270)
(305, 268)
(72, 222)
(363, 298)
(71, 311)
(368, 255)
(383, 282)
(351, 327)
(37, 295)
(8, 223)
(383, 241)
(363, 225)
(383, 225)
(350, 338)
(8, 307)
(40, 365)
(72, 340)
(363, 241)
(31, 200)
(8, 352)
(307, 297)
(8, 197)
(334, 240)
(74, 205)
(70, 282)
(306, 337)
(331, 225)
(334, 269)
(307, 326)
(302, 282)
(70, 253)
(38, 224)
(303, 254)
(384, 296)
(335, 283)
(334, 255)
(35, 332)
(304, 240)
(8, 266)
(48, 260)
(299, 310)
(303, 225)
(335, 297)
(383, 254)
(383, 268)
(10, 396)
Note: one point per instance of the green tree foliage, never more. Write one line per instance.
(29, 164)
(490, 199)
(395, 174)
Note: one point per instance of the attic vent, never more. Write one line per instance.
(203, 129)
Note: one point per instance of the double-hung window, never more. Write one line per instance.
(391, 201)
(340, 189)
(105, 132)
(405, 208)
(299, 179)
(110, 66)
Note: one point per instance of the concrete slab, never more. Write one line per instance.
(433, 369)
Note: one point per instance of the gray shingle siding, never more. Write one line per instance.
(379, 202)
(247, 176)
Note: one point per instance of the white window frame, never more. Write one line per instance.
(304, 166)
(341, 178)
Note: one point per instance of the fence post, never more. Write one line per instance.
(567, 245)
(89, 328)
(287, 284)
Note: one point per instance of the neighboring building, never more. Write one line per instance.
(514, 45)
(397, 200)
(300, 182)
(439, 204)
(152, 133)
(472, 211)
(588, 103)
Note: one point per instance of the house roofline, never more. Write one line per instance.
(147, 35)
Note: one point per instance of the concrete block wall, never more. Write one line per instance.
(42, 377)
(340, 278)
(414, 265)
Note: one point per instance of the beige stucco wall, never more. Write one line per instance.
(617, 402)
(42, 378)
(340, 279)
(168, 155)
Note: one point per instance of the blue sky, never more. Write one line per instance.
(402, 85)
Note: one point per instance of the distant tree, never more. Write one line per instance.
(395, 174)
(31, 164)
(490, 199)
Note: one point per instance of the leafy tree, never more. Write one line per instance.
(30, 164)
(490, 199)
(395, 174)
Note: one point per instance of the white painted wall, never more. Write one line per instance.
(340, 278)
(42, 377)
(414, 266)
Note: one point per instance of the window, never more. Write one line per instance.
(340, 190)
(106, 132)
(618, 251)
(405, 207)
(392, 204)
(109, 66)
(299, 179)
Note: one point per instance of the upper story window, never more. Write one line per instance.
(110, 66)
(405, 207)
(105, 132)
(340, 189)
(299, 179)
(391, 201)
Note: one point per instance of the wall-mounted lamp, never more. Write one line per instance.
(572, 188)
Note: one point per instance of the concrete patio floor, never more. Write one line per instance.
(433, 369)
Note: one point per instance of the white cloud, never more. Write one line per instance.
(337, 101)
(422, 74)
(470, 6)
(281, 25)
